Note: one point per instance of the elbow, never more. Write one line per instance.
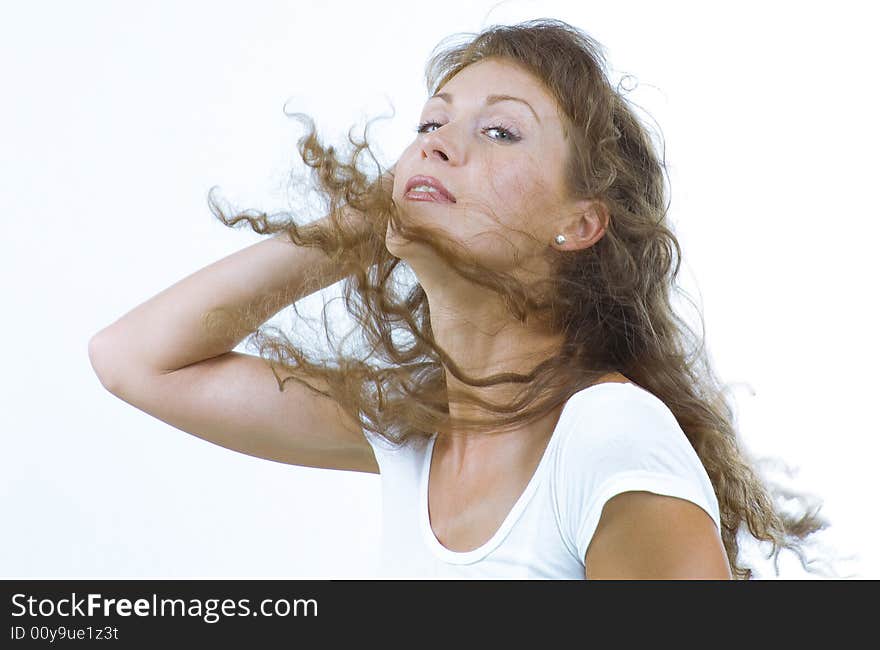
(100, 357)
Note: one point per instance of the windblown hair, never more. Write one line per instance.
(610, 301)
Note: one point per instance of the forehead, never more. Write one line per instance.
(495, 76)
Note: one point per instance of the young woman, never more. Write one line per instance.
(547, 414)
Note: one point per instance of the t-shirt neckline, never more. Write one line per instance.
(474, 555)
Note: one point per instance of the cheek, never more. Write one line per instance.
(518, 235)
(522, 195)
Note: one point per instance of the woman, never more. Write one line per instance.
(549, 415)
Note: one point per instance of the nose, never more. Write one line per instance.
(442, 155)
(435, 144)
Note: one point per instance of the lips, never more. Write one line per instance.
(446, 195)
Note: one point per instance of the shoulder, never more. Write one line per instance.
(620, 439)
(404, 457)
(613, 417)
(616, 434)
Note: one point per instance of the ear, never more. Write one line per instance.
(588, 226)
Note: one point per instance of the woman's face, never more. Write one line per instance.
(502, 160)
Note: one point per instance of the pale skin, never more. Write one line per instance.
(514, 174)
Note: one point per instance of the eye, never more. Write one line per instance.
(510, 134)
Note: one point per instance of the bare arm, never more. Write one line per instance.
(647, 536)
(171, 330)
(163, 358)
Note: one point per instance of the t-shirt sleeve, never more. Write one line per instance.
(380, 446)
(385, 451)
(618, 444)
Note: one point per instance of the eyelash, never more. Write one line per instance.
(513, 135)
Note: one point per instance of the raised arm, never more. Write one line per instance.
(164, 359)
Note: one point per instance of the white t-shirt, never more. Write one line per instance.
(610, 438)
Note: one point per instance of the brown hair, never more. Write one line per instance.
(612, 300)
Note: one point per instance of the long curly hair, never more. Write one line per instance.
(611, 301)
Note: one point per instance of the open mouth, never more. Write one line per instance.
(427, 188)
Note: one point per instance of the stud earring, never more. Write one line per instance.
(560, 239)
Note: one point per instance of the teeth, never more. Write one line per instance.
(424, 188)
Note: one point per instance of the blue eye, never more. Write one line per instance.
(511, 134)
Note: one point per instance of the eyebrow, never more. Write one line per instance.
(491, 99)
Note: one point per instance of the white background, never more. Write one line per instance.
(118, 117)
